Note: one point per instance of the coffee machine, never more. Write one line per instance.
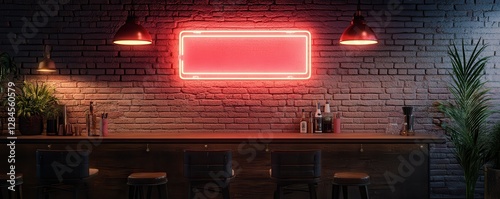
(407, 128)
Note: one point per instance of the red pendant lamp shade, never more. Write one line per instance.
(132, 33)
(358, 33)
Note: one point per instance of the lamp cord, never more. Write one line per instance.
(46, 53)
(358, 11)
(132, 10)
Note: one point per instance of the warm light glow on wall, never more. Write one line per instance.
(245, 54)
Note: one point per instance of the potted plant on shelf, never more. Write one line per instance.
(34, 102)
(468, 112)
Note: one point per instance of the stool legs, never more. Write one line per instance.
(140, 192)
(225, 192)
(17, 194)
(336, 192)
(194, 191)
(280, 191)
(149, 192)
(131, 192)
(75, 194)
(42, 193)
(312, 191)
(345, 192)
(363, 190)
(163, 191)
(20, 192)
(137, 192)
(278, 194)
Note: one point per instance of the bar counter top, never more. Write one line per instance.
(235, 137)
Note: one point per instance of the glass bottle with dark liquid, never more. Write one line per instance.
(318, 120)
(327, 119)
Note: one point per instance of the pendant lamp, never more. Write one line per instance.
(358, 33)
(131, 33)
(47, 65)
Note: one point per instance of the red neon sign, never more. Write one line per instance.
(245, 54)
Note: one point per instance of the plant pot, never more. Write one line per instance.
(491, 183)
(31, 125)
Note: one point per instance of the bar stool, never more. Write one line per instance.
(4, 185)
(208, 171)
(343, 180)
(137, 181)
(294, 168)
(64, 170)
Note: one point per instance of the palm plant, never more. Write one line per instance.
(468, 112)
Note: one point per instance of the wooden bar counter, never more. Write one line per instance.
(398, 165)
(232, 138)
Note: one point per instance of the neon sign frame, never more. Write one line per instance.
(275, 54)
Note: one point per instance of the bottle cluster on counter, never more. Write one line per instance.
(91, 122)
(320, 122)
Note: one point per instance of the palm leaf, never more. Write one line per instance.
(468, 112)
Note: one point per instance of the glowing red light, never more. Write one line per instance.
(245, 54)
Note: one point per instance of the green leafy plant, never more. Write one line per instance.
(8, 67)
(468, 111)
(36, 99)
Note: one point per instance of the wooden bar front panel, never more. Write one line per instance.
(400, 162)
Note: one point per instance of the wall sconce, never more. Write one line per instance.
(358, 33)
(47, 65)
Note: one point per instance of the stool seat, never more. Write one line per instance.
(342, 180)
(93, 172)
(5, 177)
(4, 184)
(351, 178)
(147, 178)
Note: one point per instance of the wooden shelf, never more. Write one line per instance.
(227, 138)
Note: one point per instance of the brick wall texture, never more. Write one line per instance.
(140, 87)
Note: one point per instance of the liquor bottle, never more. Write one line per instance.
(327, 119)
(303, 123)
(318, 120)
(91, 121)
(310, 124)
(337, 123)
